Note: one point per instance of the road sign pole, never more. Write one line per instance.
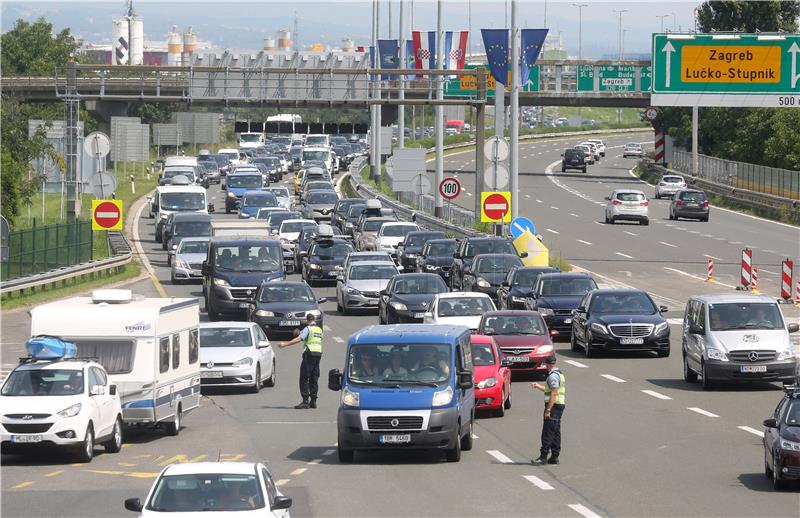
(480, 135)
(401, 94)
(437, 209)
(515, 71)
(695, 122)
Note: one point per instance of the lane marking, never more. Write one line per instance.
(54, 473)
(668, 244)
(552, 231)
(702, 412)
(630, 233)
(528, 196)
(554, 208)
(298, 471)
(338, 339)
(583, 511)
(326, 327)
(751, 430)
(573, 214)
(624, 255)
(584, 242)
(282, 482)
(475, 436)
(500, 457)
(656, 394)
(613, 378)
(538, 201)
(712, 257)
(577, 364)
(23, 485)
(697, 277)
(329, 452)
(314, 461)
(536, 481)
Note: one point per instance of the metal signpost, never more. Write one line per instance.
(496, 150)
(450, 188)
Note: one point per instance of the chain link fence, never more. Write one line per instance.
(42, 249)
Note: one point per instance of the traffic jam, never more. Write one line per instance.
(459, 323)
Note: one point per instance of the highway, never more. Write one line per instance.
(637, 439)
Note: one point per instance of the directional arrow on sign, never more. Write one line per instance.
(668, 50)
(794, 50)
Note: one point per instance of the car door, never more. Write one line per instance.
(265, 354)
(101, 402)
(696, 342)
(383, 303)
(772, 435)
(580, 320)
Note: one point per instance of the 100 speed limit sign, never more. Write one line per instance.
(449, 188)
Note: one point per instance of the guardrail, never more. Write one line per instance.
(122, 255)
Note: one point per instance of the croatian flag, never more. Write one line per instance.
(456, 49)
(424, 49)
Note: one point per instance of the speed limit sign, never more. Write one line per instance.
(449, 188)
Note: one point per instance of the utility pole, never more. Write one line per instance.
(662, 16)
(401, 94)
(515, 71)
(375, 160)
(580, 28)
(619, 29)
(438, 207)
(71, 118)
(296, 33)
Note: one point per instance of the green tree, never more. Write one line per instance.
(748, 16)
(32, 49)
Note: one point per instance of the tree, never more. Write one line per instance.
(32, 49)
(747, 16)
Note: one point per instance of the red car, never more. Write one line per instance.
(523, 338)
(492, 376)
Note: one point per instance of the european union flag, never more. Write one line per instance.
(495, 41)
(532, 41)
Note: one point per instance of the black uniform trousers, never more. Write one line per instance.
(551, 431)
(309, 375)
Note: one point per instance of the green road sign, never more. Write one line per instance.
(466, 86)
(726, 70)
(613, 78)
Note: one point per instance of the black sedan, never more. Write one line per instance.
(518, 286)
(319, 264)
(782, 440)
(437, 257)
(340, 211)
(410, 248)
(282, 306)
(407, 297)
(487, 272)
(619, 320)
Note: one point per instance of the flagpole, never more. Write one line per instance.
(378, 113)
(515, 72)
(401, 94)
(439, 110)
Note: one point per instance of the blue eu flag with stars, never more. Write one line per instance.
(531, 42)
(495, 41)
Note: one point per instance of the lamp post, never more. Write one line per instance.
(619, 29)
(662, 16)
(580, 28)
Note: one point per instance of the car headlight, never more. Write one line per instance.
(264, 313)
(660, 328)
(221, 282)
(350, 398)
(545, 311)
(716, 354)
(244, 362)
(314, 266)
(399, 306)
(163, 216)
(442, 397)
(487, 383)
(231, 195)
(789, 445)
(353, 291)
(518, 299)
(483, 283)
(179, 263)
(786, 354)
(599, 328)
(544, 349)
(70, 411)
(431, 267)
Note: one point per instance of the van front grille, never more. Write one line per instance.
(405, 422)
(751, 356)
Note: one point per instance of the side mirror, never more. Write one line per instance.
(263, 343)
(663, 309)
(427, 317)
(322, 300)
(112, 390)
(281, 502)
(98, 390)
(133, 504)
(335, 380)
(204, 269)
(771, 422)
(696, 330)
(793, 328)
(505, 284)
(465, 380)
(523, 255)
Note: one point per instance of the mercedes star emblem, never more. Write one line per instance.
(753, 356)
(210, 365)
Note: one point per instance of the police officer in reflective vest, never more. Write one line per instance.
(554, 400)
(311, 336)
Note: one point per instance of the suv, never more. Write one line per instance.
(627, 205)
(669, 185)
(781, 443)
(469, 248)
(573, 159)
(689, 203)
(556, 295)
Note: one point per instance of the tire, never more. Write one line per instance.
(706, 383)
(114, 445)
(777, 483)
(573, 344)
(671, 217)
(256, 388)
(583, 170)
(85, 452)
(606, 219)
(174, 427)
(273, 377)
(466, 440)
(563, 169)
(339, 307)
(767, 470)
(689, 376)
(164, 247)
(501, 410)
(644, 222)
(611, 220)
(345, 456)
(454, 453)
(587, 349)
(507, 403)
(663, 353)
(227, 210)
(705, 220)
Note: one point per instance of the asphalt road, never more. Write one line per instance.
(638, 441)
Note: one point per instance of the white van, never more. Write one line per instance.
(251, 140)
(177, 198)
(232, 156)
(318, 140)
(149, 347)
(318, 153)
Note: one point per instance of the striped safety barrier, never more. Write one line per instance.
(709, 270)
(659, 142)
(786, 279)
(747, 267)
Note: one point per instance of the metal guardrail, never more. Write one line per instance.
(119, 247)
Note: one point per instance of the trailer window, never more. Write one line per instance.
(163, 352)
(176, 351)
(115, 355)
(194, 345)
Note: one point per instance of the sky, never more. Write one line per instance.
(244, 25)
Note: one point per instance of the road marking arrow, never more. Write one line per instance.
(668, 50)
(794, 50)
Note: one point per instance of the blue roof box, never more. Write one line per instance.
(44, 347)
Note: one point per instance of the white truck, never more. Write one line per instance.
(251, 140)
(241, 228)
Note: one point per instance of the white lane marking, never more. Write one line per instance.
(553, 207)
(328, 452)
(613, 378)
(315, 461)
(528, 196)
(536, 481)
(681, 228)
(670, 225)
(712, 257)
(500, 457)
(702, 412)
(693, 232)
(551, 230)
(583, 511)
(624, 255)
(475, 436)
(581, 240)
(656, 394)
(326, 327)
(577, 364)
(298, 471)
(469, 194)
(282, 482)
(538, 201)
(598, 223)
(668, 244)
(630, 233)
(675, 321)
(573, 214)
(762, 270)
(751, 430)
(697, 277)
(705, 235)
(338, 339)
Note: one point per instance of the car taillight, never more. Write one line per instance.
(662, 184)
(644, 203)
(616, 202)
(705, 203)
(678, 202)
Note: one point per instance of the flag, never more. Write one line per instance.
(456, 54)
(410, 61)
(495, 41)
(424, 48)
(531, 45)
(372, 77)
(387, 50)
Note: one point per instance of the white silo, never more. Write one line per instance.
(120, 46)
(284, 40)
(189, 44)
(174, 47)
(348, 45)
(269, 43)
(137, 41)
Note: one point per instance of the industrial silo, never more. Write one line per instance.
(189, 44)
(269, 43)
(174, 47)
(284, 40)
(120, 46)
(137, 41)
(348, 45)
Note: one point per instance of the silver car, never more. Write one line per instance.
(361, 284)
(319, 205)
(627, 205)
(283, 197)
(366, 235)
(669, 185)
(188, 261)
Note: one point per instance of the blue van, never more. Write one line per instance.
(406, 386)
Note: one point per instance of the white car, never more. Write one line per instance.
(283, 196)
(594, 148)
(289, 233)
(392, 234)
(213, 488)
(67, 403)
(669, 185)
(588, 152)
(601, 146)
(632, 149)
(627, 205)
(459, 308)
(235, 354)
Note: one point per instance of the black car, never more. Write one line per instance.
(272, 164)
(180, 225)
(488, 271)
(410, 248)
(340, 210)
(573, 159)
(307, 236)
(296, 152)
(437, 257)
(348, 223)
(782, 439)
(689, 203)
(282, 306)
(407, 297)
(518, 286)
(324, 255)
(469, 248)
(614, 319)
(556, 295)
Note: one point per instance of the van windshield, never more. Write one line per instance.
(249, 258)
(183, 201)
(193, 228)
(44, 382)
(249, 137)
(315, 155)
(744, 315)
(399, 364)
(248, 181)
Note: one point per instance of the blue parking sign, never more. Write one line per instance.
(519, 225)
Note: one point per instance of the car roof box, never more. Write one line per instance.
(45, 347)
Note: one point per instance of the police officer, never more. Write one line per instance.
(554, 400)
(311, 337)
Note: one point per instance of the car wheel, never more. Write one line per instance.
(227, 210)
(583, 170)
(466, 440)
(611, 220)
(689, 376)
(174, 426)
(114, 445)
(507, 403)
(164, 247)
(606, 219)
(454, 453)
(573, 343)
(767, 470)
(273, 377)
(587, 348)
(339, 307)
(645, 222)
(256, 388)
(500, 411)
(706, 383)
(345, 455)
(563, 169)
(671, 217)
(777, 483)
(85, 452)
(705, 219)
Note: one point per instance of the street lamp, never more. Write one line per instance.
(674, 22)
(580, 28)
(619, 35)
(662, 16)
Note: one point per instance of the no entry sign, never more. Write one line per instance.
(450, 188)
(495, 207)
(106, 215)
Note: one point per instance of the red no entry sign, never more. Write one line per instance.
(106, 215)
(496, 206)
(450, 188)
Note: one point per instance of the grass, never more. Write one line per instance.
(606, 117)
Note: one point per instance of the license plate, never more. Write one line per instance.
(631, 341)
(693, 205)
(211, 374)
(419, 315)
(445, 274)
(396, 438)
(754, 368)
(331, 274)
(567, 320)
(244, 305)
(518, 359)
(26, 438)
(372, 302)
(289, 323)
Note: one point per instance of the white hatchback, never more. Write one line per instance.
(235, 354)
(627, 205)
(459, 308)
(669, 185)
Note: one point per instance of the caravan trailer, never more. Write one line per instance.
(148, 346)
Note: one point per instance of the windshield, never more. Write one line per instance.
(231, 155)
(333, 251)
(44, 382)
(249, 137)
(193, 228)
(247, 181)
(634, 303)
(320, 185)
(172, 173)
(744, 315)
(206, 492)
(193, 247)
(482, 354)
(630, 196)
(576, 287)
(249, 258)
(372, 271)
(281, 140)
(373, 225)
(398, 230)
(344, 205)
(355, 210)
(225, 337)
(315, 155)
(271, 292)
(441, 249)
(419, 240)
(262, 199)
(514, 325)
(672, 179)
(183, 201)
(494, 246)
(418, 285)
(276, 218)
(221, 160)
(322, 197)
(497, 264)
(465, 306)
(370, 257)
(295, 226)
(526, 277)
(316, 140)
(280, 192)
(793, 413)
(693, 196)
(399, 364)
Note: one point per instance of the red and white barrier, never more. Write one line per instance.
(709, 270)
(747, 267)
(797, 293)
(659, 141)
(754, 280)
(786, 279)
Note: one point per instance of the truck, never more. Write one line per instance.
(240, 227)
